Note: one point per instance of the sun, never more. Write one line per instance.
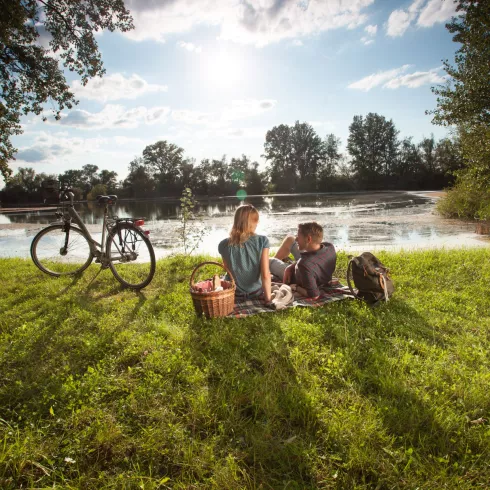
(222, 69)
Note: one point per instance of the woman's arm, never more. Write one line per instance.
(265, 274)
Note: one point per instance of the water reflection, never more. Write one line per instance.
(362, 220)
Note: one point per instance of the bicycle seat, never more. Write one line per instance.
(107, 199)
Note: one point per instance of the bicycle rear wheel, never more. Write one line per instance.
(132, 259)
(58, 252)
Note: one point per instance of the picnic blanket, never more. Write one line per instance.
(335, 291)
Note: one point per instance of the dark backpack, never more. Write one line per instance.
(370, 278)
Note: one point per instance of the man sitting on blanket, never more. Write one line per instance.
(314, 260)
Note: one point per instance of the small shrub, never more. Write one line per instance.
(191, 231)
(463, 202)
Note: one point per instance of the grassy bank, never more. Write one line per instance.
(106, 388)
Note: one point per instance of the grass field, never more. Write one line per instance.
(105, 388)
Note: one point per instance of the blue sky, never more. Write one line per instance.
(214, 75)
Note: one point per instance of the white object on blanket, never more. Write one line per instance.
(282, 296)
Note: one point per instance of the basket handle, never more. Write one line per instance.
(191, 280)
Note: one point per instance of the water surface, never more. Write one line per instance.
(352, 221)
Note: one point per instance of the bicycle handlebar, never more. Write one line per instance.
(67, 192)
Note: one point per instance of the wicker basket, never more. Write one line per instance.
(214, 303)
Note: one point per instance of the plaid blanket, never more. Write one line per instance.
(333, 292)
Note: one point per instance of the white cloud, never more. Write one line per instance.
(371, 30)
(415, 80)
(398, 23)
(232, 133)
(192, 117)
(112, 116)
(434, 11)
(258, 22)
(394, 79)
(114, 87)
(371, 81)
(51, 147)
(190, 47)
(247, 108)
(238, 109)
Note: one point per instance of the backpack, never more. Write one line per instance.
(371, 278)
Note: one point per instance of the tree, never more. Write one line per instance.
(332, 153)
(30, 73)
(332, 159)
(164, 161)
(24, 186)
(296, 155)
(409, 166)
(245, 174)
(427, 149)
(449, 158)
(373, 145)
(97, 190)
(465, 98)
(109, 179)
(218, 174)
(277, 151)
(308, 155)
(73, 178)
(139, 182)
(464, 101)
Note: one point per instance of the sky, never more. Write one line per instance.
(213, 76)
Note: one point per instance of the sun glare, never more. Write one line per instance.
(222, 69)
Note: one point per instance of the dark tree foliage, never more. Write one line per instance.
(373, 146)
(465, 102)
(466, 96)
(296, 155)
(164, 162)
(164, 171)
(24, 186)
(33, 35)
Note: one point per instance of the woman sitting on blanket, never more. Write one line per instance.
(246, 255)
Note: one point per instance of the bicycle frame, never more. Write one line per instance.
(96, 248)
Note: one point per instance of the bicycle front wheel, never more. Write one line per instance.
(61, 252)
(131, 256)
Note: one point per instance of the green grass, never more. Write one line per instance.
(104, 388)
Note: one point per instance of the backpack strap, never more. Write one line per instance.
(382, 283)
(349, 277)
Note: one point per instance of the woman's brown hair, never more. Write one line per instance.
(246, 217)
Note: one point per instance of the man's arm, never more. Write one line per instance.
(288, 277)
(306, 282)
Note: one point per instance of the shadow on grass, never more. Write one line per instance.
(262, 411)
(375, 341)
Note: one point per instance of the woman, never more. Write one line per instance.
(247, 256)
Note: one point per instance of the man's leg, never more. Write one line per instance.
(277, 268)
(295, 251)
(285, 248)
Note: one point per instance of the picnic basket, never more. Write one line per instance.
(213, 303)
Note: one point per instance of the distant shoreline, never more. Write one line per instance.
(218, 198)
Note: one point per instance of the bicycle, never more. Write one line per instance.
(67, 247)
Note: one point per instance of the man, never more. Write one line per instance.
(315, 260)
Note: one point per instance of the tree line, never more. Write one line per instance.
(464, 102)
(298, 160)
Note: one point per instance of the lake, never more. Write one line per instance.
(352, 221)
